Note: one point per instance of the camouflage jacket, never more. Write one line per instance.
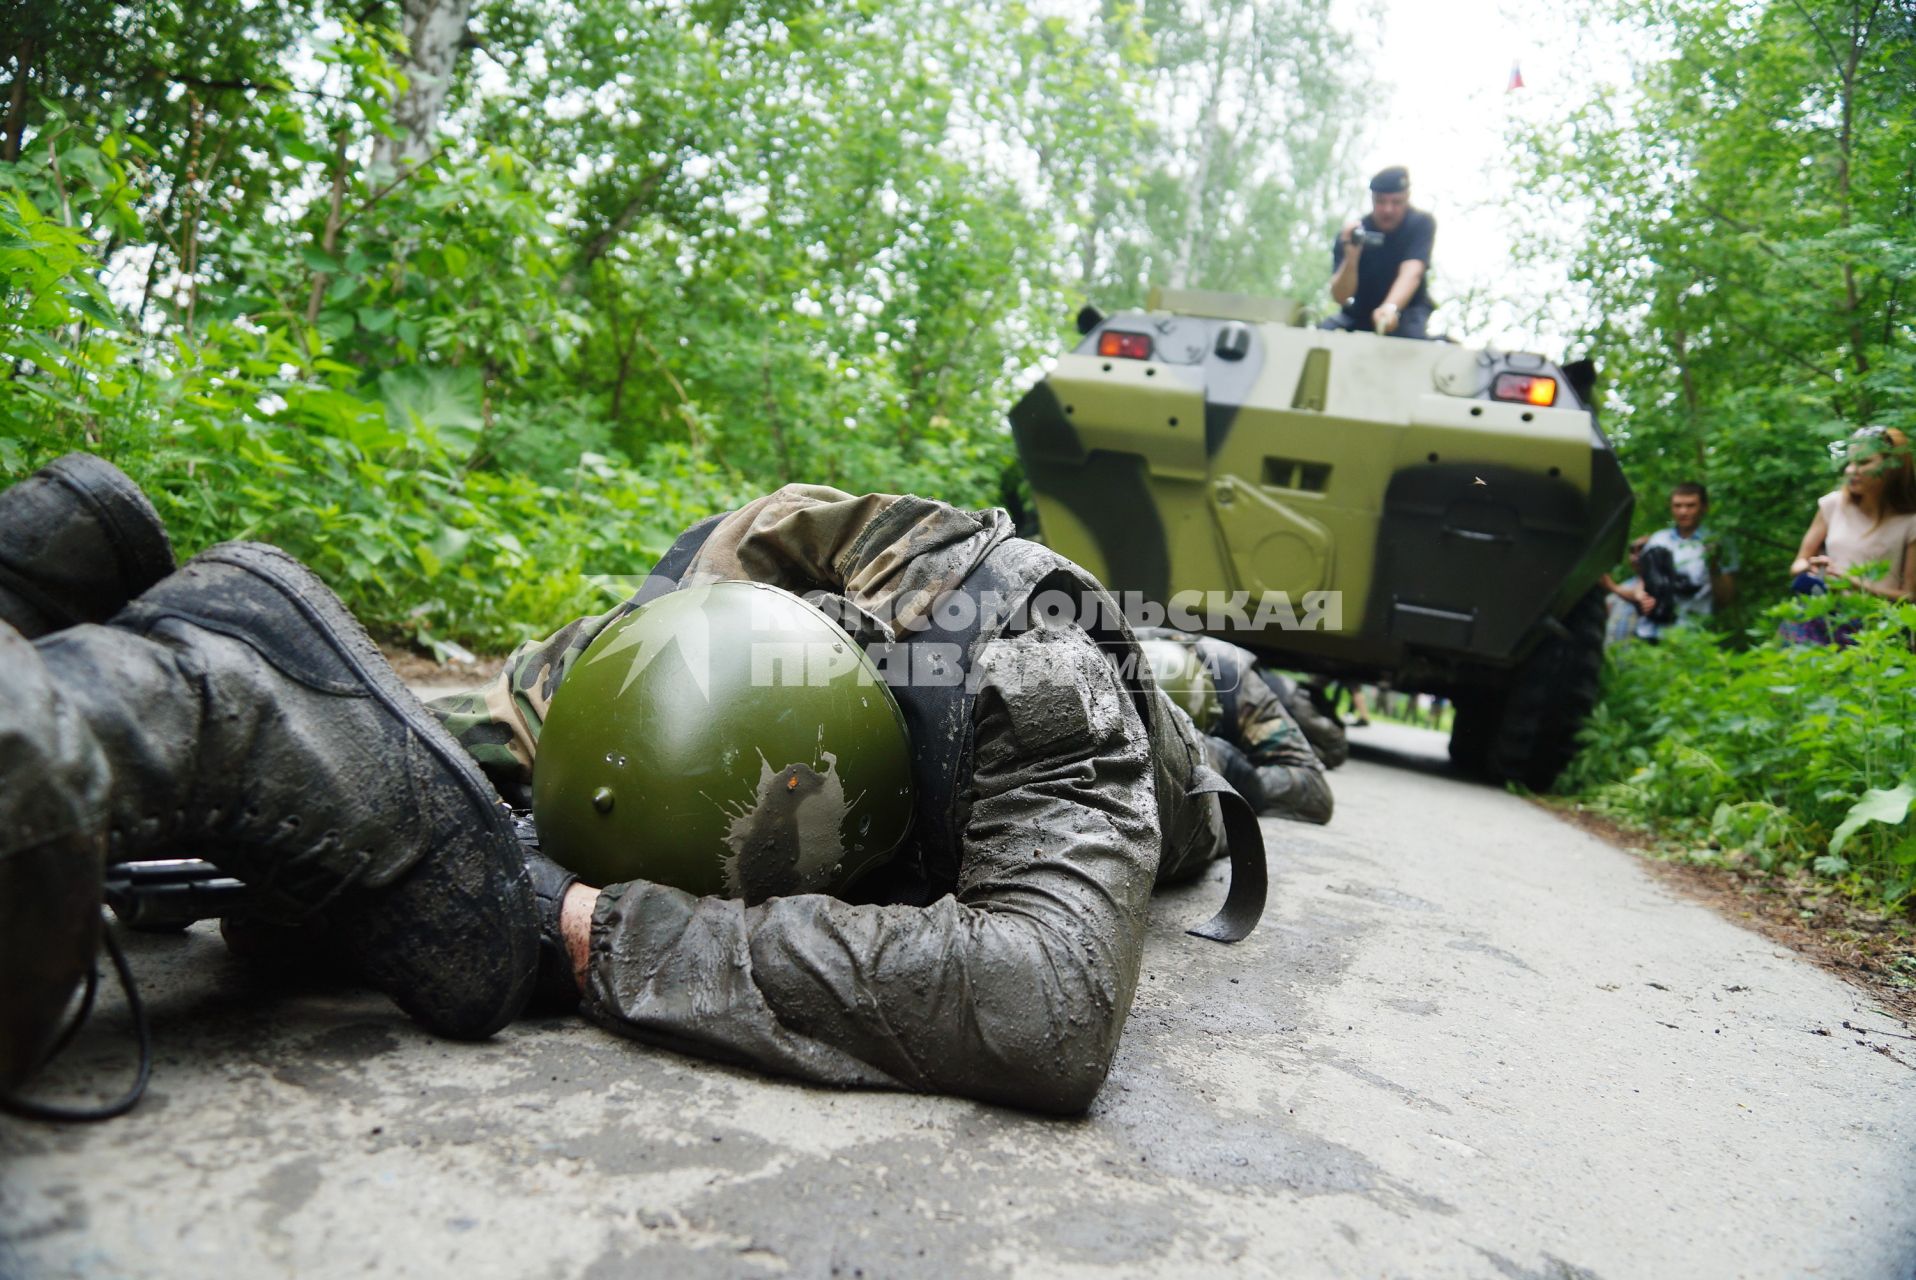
(1015, 985)
(1321, 729)
(1253, 719)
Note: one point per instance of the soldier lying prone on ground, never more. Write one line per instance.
(1251, 734)
(234, 710)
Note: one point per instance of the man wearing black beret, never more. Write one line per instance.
(1379, 263)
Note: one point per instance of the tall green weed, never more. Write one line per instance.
(1789, 755)
(449, 508)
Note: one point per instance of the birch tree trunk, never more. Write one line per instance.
(435, 31)
(1197, 194)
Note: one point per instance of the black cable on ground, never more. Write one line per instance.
(59, 1113)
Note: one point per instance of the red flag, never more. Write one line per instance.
(1516, 78)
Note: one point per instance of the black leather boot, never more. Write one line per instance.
(53, 781)
(245, 717)
(77, 541)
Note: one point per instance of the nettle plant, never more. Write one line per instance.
(1786, 754)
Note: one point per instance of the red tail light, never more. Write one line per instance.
(1126, 346)
(1525, 389)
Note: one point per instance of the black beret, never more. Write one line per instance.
(1394, 179)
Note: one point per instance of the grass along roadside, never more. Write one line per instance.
(1797, 756)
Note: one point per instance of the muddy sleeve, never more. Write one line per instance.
(1012, 990)
(1293, 777)
(798, 538)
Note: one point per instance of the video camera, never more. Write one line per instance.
(1367, 239)
(1657, 568)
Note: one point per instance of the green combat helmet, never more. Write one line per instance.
(1182, 676)
(724, 739)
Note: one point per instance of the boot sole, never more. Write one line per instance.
(427, 882)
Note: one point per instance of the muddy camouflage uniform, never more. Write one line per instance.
(1252, 719)
(1006, 976)
(1322, 730)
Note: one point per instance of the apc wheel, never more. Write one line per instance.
(1552, 693)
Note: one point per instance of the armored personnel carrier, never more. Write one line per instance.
(1433, 515)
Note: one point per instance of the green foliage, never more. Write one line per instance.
(1749, 250)
(1748, 259)
(1788, 754)
(1219, 160)
(301, 419)
(646, 261)
(1889, 805)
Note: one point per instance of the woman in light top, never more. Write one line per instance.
(1869, 521)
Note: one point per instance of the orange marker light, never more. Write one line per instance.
(1127, 346)
(1525, 389)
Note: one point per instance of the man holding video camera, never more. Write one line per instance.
(1379, 263)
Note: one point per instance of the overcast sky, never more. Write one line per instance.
(1446, 68)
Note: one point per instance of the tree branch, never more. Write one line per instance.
(1829, 47)
(1745, 228)
(1868, 30)
(406, 175)
(59, 184)
(648, 187)
(330, 236)
(162, 75)
(166, 76)
(1750, 331)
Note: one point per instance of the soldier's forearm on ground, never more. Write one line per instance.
(1013, 991)
(1290, 791)
(1326, 736)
